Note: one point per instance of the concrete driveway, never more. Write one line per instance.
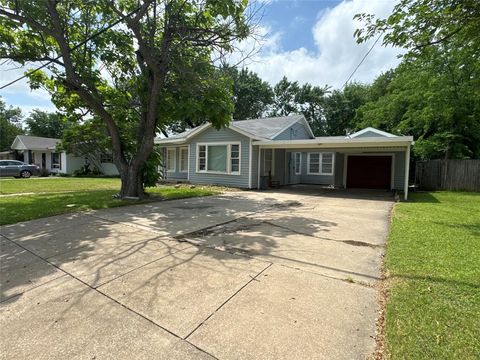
(284, 274)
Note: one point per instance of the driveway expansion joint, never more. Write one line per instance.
(254, 278)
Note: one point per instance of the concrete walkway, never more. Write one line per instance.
(285, 274)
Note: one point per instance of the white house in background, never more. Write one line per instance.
(43, 152)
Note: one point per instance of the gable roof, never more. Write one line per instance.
(25, 142)
(268, 128)
(257, 129)
(372, 130)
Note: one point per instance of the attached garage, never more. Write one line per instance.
(369, 171)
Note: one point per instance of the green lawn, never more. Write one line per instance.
(433, 263)
(35, 185)
(65, 195)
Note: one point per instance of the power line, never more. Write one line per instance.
(363, 59)
(116, 22)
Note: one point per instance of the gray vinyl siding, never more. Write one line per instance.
(399, 170)
(176, 175)
(296, 131)
(212, 135)
(291, 177)
(369, 134)
(305, 178)
(255, 167)
(338, 172)
(280, 164)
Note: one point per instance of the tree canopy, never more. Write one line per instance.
(10, 125)
(138, 66)
(46, 124)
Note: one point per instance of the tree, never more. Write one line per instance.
(435, 92)
(10, 125)
(129, 63)
(417, 25)
(251, 95)
(46, 124)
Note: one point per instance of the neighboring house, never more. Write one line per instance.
(258, 153)
(42, 152)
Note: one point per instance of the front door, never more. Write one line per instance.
(44, 161)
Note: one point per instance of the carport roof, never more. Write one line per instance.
(337, 142)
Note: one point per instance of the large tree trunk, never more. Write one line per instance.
(132, 183)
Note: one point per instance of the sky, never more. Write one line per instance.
(304, 40)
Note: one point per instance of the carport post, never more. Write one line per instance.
(259, 161)
(407, 171)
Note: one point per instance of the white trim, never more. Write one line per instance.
(299, 172)
(371, 129)
(336, 142)
(407, 171)
(392, 166)
(174, 160)
(250, 164)
(181, 158)
(228, 144)
(320, 163)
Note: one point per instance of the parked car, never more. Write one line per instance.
(17, 169)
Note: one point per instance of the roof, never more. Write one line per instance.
(26, 142)
(257, 129)
(267, 128)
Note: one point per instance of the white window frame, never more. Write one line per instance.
(174, 160)
(229, 158)
(265, 173)
(181, 150)
(299, 170)
(58, 165)
(320, 163)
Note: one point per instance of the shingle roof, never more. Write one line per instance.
(265, 128)
(268, 127)
(36, 143)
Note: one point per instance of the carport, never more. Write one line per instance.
(376, 160)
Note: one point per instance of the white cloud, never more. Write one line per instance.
(337, 53)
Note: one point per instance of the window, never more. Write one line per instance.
(171, 159)
(183, 159)
(268, 161)
(320, 163)
(56, 161)
(298, 163)
(218, 158)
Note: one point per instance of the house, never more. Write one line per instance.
(42, 152)
(257, 153)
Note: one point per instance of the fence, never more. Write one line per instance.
(448, 175)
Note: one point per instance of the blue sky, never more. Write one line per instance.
(305, 40)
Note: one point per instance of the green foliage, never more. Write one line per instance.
(252, 96)
(152, 71)
(10, 125)
(150, 174)
(45, 124)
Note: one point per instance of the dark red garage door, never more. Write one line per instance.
(369, 172)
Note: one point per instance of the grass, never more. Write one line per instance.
(433, 263)
(76, 194)
(60, 184)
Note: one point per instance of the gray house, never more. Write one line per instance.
(266, 152)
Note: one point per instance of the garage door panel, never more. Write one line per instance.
(369, 172)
